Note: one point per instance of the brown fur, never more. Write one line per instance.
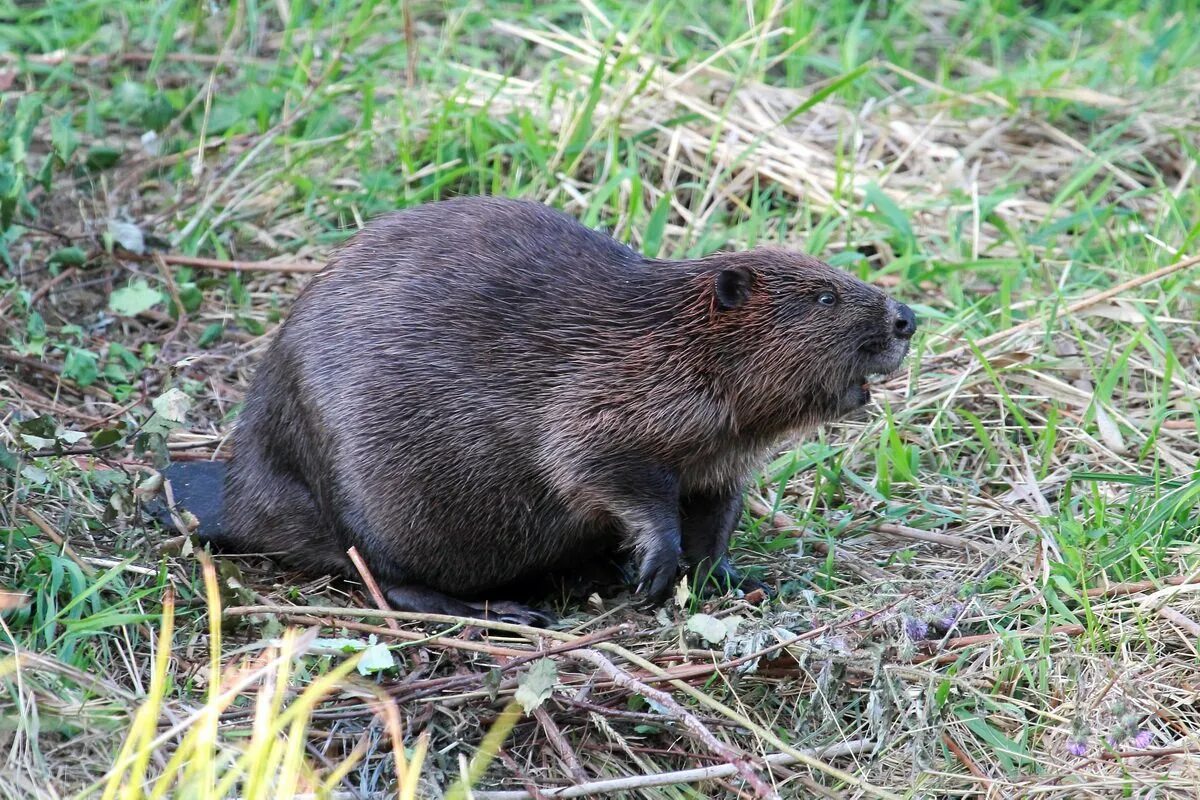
(479, 390)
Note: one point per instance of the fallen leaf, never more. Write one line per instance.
(128, 236)
(1109, 432)
(376, 658)
(172, 405)
(536, 686)
(756, 597)
(708, 627)
(134, 299)
(681, 593)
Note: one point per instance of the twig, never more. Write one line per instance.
(371, 584)
(968, 641)
(802, 757)
(683, 776)
(1074, 308)
(1137, 587)
(685, 672)
(112, 563)
(560, 744)
(515, 769)
(181, 318)
(1189, 625)
(1106, 756)
(936, 537)
(177, 448)
(518, 657)
(56, 371)
(228, 266)
(740, 763)
(85, 680)
(408, 636)
(634, 716)
(48, 286)
(781, 521)
(529, 632)
(962, 756)
(410, 47)
(97, 61)
(56, 537)
(175, 513)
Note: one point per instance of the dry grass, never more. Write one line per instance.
(988, 585)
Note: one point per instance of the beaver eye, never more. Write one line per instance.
(827, 298)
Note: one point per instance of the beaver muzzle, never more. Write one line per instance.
(882, 363)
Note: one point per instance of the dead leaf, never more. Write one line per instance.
(1110, 434)
(11, 599)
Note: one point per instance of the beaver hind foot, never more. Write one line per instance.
(423, 600)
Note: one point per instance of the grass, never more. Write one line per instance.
(982, 583)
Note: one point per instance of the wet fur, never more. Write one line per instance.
(479, 390)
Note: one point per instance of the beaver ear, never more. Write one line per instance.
(733, 286)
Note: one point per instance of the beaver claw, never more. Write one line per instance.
(657, 576)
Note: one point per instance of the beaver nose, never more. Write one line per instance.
(906, 322)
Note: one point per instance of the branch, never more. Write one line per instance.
(738, 761)
(227, 266)
(633, 782)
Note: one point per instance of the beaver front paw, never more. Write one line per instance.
(657, 575)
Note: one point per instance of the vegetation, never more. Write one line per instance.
(986, 585)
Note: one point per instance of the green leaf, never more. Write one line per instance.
(211, 334)
(106, 437)
(44, 426)
(38, 442)
(1009, 751)
(81, 366)
(102, 156)
(62, 137)
(942, 693)
(35, 326)
(134, 299)
(252, 325)
(223, 116)
(376, 658)
(129, 97)
(821, 94)
(107, 620)
(8, 459)
(68, 257)
(491, 682)
(890, 211)
(35, 474)
(652, 240)
(191, 297)
(536, 685)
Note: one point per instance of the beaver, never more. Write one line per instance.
(479, 390)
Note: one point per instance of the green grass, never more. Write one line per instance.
(988, 162)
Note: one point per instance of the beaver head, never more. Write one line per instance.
(801, 340)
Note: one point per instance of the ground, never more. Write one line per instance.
(985, 585)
